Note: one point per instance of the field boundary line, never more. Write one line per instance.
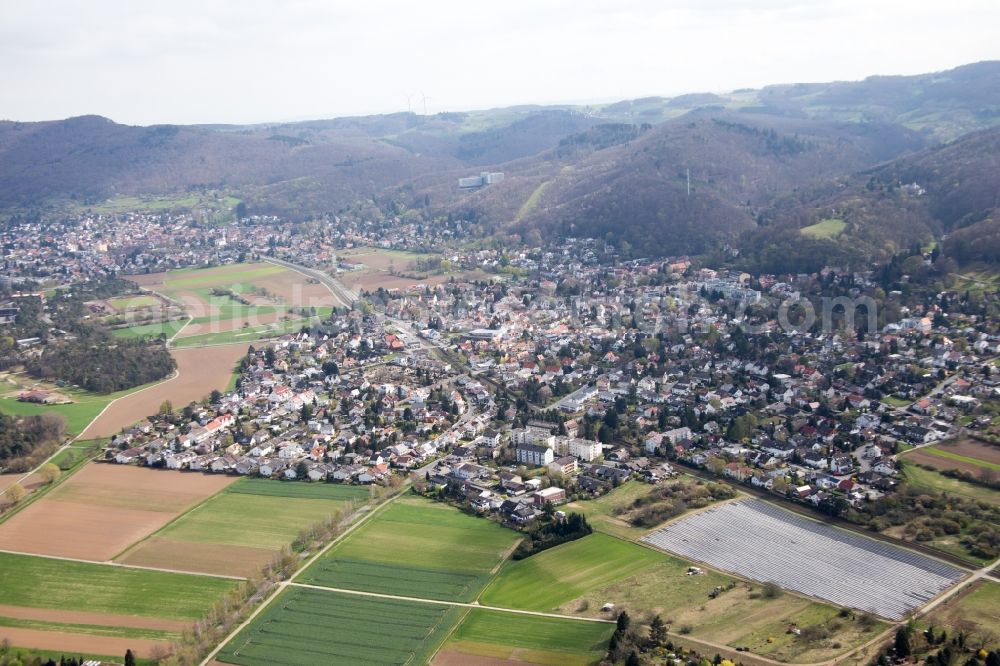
(170, 522)
(457, 604)
(119, 565)
(277, 589)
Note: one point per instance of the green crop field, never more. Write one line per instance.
(48, 583)
(417, 548)
(167, 328)
(830, 228)
(545, 581)
(221, 276)
(538, 640)
(129, 302)
(252, 517)
(306, 627)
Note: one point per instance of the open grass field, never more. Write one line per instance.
(129, 204)
(198, 372)
(918, 477)
(307, 627)
(600, 512)
(550, 579)
(418, 548)
(167, 328)
(537, 640)
(239, 530)
(829, 228)
(103, 509)
(825, 634)
(78, 414)
(132, 302)
(975, 610)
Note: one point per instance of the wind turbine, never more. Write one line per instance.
(424, 99)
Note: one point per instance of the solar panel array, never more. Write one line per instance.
(762, 542)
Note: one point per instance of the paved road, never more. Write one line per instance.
(346, 296)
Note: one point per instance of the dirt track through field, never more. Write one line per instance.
(199, 371)
(103, 509)
(67, 643)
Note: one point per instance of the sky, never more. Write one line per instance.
(244, 61)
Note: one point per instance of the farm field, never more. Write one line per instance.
(765, 543)
(537, 640)
(977, 608)
(57, 604)
(919, 477)
(132, 302)
(419, 548)
(548, 580)
(379, 262)
(167, 328)
(103, 509)
(239, 530)
(198, 372)
(266, 293)
(966, 455)
(307, 627)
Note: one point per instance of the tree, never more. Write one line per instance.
(15, 493)
(166, 408)
(129, 658)
(215, 397)
(49, 472)
(657, 631)
(301, 470)
(624, 621)
(902, 643)
(633, 659)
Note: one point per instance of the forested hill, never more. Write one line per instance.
(670, 175)
(951, 192)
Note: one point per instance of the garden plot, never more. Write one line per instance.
(764, 543)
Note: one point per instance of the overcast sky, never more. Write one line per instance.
(241, 61)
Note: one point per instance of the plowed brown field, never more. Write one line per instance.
(103, 509)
